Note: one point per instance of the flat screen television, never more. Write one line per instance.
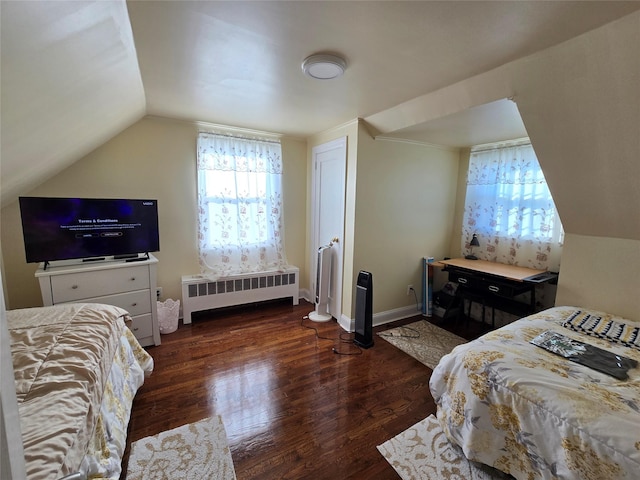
(88, 228)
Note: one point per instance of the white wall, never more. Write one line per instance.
(580, 103)
(600, 273)
(406, 194)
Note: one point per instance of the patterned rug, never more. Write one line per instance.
(423, 341)
(422, 452)
(195, 450)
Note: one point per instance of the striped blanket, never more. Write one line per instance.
(605, 328)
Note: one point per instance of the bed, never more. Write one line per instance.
(534, 414)
(77, 368)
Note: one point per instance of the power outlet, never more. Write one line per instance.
(409, 289)
(158, 292)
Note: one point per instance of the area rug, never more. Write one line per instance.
(422, 340)
(423, 452)
(195, 450)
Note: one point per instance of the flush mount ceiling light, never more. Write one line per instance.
(324, 66)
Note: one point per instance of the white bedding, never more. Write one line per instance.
(77, 368)
(130, 365)
(534, 414)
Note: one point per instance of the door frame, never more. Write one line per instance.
(338, 247)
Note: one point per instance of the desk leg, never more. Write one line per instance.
(469, 309)
(462, 300)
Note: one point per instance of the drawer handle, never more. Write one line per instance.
(462, 280)
(134, 304)
(136, 329)
(74, 287)
(494, 289)
(133, 279)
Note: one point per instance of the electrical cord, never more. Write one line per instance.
(415, 295)
(350, 341)
(313, 328)
(357, 352)
(341, 339)
(397, 333)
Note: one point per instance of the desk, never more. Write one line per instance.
(495, 284)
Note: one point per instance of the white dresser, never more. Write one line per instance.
(129, 285)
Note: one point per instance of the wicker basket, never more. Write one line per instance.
(168, 315)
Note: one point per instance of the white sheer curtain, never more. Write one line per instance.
(509, 206)
(240, 220)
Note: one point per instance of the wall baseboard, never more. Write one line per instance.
(381, 318)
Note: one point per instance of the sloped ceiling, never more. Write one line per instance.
(74, 74)
(238, 63)
(70, 81)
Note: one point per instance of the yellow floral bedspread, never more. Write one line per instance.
(63, 357)
(534, 414)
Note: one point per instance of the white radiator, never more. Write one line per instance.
(200, 293)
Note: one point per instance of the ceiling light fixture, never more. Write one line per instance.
(324, 66)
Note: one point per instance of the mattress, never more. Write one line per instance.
(536, 415)
(71, 364)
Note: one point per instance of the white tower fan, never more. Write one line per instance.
(323, 272)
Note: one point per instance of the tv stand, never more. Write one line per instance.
(131, 286)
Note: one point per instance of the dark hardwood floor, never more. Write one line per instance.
(292, 408)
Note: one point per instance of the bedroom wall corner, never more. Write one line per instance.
(600, 273)
(11, 452)
(455, 248)
(20, 286)
(405, 209)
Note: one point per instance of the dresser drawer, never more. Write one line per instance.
(136, 303)
(507, 289)
(142, 326)
(80, 286)
(464, 279)
(128, 285)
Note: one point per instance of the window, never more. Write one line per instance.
(509, 206)
(240, 221)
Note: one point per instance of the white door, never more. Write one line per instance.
(329, 186)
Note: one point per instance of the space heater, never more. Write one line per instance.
(323, 273)
(364, 310)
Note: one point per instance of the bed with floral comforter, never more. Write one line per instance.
(77, 368)
(535, 414)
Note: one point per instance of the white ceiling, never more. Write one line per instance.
(77, 73)
(239, 63)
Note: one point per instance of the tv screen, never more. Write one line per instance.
(71, 228)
